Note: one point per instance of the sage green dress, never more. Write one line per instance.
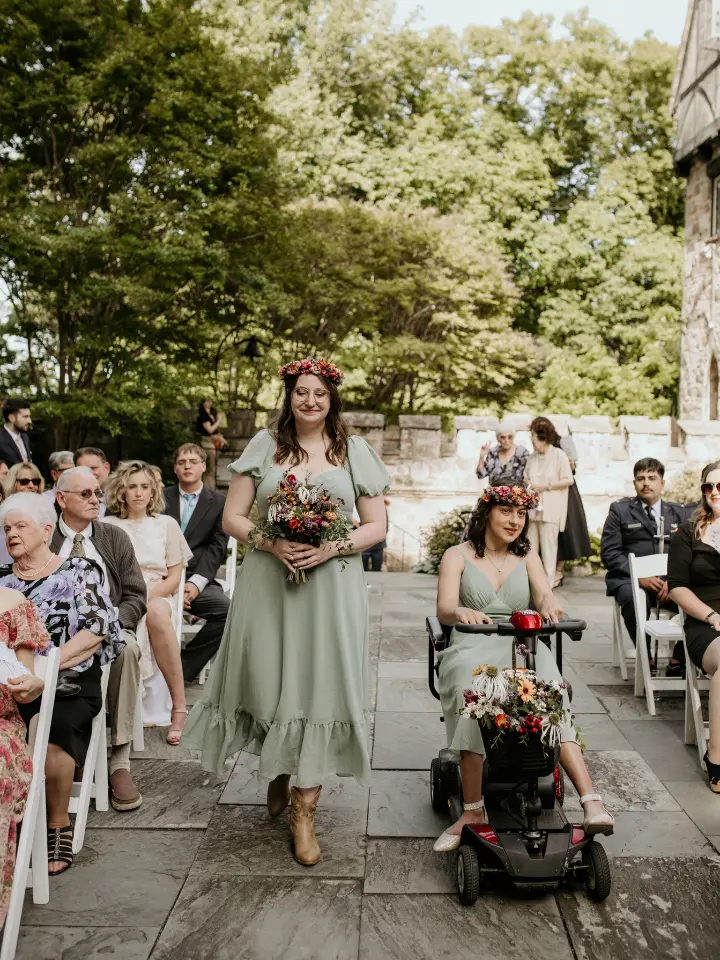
(467, 651)
(289, 683)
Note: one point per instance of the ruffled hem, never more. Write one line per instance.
(310, 751)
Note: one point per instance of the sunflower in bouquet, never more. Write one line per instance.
(304, 512)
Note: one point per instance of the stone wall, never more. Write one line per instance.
(432, 471)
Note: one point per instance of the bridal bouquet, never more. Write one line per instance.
(303, 512)
(516, 701)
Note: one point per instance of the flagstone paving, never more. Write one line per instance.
(201, 873)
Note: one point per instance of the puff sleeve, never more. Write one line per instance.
(176, 546)
(22, 628)
(257, 457)
(369, 474)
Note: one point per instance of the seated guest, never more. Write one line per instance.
(94, 459)
(483, 580)
(14, 440)
(199, 512)
(80, 534)
(694, 582)
(58, 462)
(632, 526)
(208, 424)
(23, 478)
(3, 471)
(22, 636)
(157, 473)
(81, 620)
(505, 462)
(135, 503)
(5, 557)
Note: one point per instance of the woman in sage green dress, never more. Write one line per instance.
(485, 579)
(289, 682)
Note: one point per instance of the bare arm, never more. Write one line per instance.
(238, 505)
(692, 605)
(542, 595)
(77, 650)
(169, 586)
(449, 610)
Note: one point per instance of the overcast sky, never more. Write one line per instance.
(629, 18)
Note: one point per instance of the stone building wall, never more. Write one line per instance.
(432, 471)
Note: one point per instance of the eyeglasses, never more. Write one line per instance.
(87, 494)
(27, 481)
(188, 463)
(707, 488)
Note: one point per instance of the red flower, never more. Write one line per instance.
(292, 480)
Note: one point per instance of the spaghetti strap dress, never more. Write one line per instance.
(467, 651)
(289, 683)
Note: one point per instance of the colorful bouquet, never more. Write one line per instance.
(517, 701)
(303, 512)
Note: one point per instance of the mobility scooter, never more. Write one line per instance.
(527, 838)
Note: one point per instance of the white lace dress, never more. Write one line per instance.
(159, 545)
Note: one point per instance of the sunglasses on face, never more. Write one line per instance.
(707, 488)
(26, 481)
(87, 494)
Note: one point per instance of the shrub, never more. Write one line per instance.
(685, 488)
(445, 532)
(594, 558)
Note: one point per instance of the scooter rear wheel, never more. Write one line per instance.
(598, 879)
(468, 875)
(438, 794)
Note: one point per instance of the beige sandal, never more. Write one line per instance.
(601, 822)
(174, 738)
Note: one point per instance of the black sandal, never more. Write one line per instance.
(60, 841)
(713, 772)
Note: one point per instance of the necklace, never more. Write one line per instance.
(498, 568)
(31, 574)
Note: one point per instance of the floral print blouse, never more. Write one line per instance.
(71, 599)
(510, 473)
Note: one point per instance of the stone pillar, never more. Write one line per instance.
(420, 437)
(700, 440)
(472, 434)
(369, 426)
(646, 438)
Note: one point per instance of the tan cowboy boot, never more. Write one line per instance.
(278, 794)
(302, 826)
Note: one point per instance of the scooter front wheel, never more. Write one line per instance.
(468, 875)
(598, 879)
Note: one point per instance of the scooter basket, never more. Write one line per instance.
(516, 757)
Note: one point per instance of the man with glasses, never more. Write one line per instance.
(633, 526)
(14, 440)
(199, 512)
(59, 462)
(79, 533)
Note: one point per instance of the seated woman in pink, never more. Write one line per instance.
(135, 502)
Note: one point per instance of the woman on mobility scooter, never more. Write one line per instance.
(485, 579)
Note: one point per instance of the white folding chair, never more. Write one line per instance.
(661, 630)
(622, 644)
(94, 783)
(697, 728)
(32, 845)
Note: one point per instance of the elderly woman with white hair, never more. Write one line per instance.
(503, 464)
(81, 621)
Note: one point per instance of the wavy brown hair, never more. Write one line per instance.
(702, 515)
(478, 527)
(545, 431)
(117, 485)
(335, 429)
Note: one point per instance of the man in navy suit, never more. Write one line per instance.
(633, 526)
(199, 512)
(14, 440)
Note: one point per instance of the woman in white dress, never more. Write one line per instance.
(135, 503)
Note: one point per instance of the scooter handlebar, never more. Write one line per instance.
(574, 628)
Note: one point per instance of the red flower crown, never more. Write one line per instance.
(320, 368)
(518, 496)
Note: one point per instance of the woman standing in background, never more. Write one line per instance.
(548, 472)
(574, 540)
(503, 464)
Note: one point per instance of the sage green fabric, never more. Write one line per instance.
(467, 651)
(289, 682)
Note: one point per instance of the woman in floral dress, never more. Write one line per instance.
(22, 635)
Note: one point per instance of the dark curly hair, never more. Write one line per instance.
(478, 525)
(288, 447)
(545, 431)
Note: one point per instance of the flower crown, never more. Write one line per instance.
(320, 368)
(519, 496)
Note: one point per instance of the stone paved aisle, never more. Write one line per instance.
(201, 873)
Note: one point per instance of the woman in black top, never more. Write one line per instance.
(694, 582)
(208, 424)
